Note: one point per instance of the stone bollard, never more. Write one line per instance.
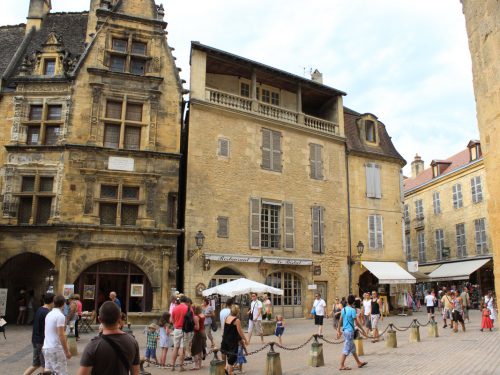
(432, 329)
(71, 339)
(358, 344)
(414, 332)
(273, 362)
(316, 354)
(391, 340)
(217, 366)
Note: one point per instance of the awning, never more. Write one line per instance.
(389, 273)
(428, 269)
(457, 270)
(420, 276)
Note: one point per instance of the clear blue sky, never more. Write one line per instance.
(405, 61)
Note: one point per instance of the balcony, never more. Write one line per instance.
(271, 111)
(419, 223)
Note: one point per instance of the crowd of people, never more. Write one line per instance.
(186, 329)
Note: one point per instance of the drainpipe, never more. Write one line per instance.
(349, 249)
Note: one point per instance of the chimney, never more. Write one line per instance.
(37, 12)
(316, 76)
(417, 166)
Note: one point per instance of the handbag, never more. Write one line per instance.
(213, 326)
(313, 311)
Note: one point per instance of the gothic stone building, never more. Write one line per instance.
(90, 134)
(284, 181)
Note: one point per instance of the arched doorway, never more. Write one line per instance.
(290, 304)
(131, 285)
(26, 272)
(224, 275)
(367, 283)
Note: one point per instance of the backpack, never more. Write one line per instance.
(188, 325)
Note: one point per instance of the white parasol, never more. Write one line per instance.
(239, 287)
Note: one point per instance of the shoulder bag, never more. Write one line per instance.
(118, 352)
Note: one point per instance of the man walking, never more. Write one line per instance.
(38, 335)
(367, 309)
(113, 352)
(55, 347)
(255, 318)
(181, 338)
(319, 308)
(348, 320)
(113, 298)
(466, 303)
(447, 302)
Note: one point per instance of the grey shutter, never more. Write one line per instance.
(377, 181)
(316, 161)
(380, 232)
(276, 151)
(370, 186)
(266, 149)
(254, 223)
(371, 232)
(289, 226)
(312, 160)
(223, 226)
(316, 241)
(322, 229)
(223, 147)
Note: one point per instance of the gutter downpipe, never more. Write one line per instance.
(349, 236)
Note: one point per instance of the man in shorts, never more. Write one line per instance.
(429, 303)
(181, 338)
(375, 314)
(348, 320)
(319, 307)
(367, 309)
(447, 302)
(255, 318)
(38, 335)
(55, 348)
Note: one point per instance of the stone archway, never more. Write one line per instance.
(26, 272)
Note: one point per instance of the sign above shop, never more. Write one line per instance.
(312, 287)
(232, 258)
(413, 266)
(288, 261)
(121, 164)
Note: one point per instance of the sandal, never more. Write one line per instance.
(363, 364)
(344, 368)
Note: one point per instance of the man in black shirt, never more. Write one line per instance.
(39, 334)
(114, 352)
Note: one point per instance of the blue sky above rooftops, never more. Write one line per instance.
(405, 61)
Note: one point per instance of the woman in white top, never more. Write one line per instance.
(489, 301)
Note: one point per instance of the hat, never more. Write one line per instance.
(153, 326)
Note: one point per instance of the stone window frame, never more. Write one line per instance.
(476, 185)
(44, 122)
(419, 209)
(436, 203)
(362, 128)
(223, 226)
(316, 161)
(122, 121)
(128, 55)
(36, 194)
(408, 246)
(220, 147)
(119, 201)
(457, 196)
(272, 155)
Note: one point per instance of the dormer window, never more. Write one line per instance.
(370, 131)
(435, 171)
(49, 67)
(475, 151)
(128, 56)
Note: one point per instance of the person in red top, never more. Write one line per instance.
(198, 347)
(181, 338)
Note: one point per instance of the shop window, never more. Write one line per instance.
(44, 124)
(129, 119)
(291, 285)
(119, 205)
(35, 199)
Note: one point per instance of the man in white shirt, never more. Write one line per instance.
(255, 318)
(55, 348)
(429, 303)
(319, 307)
(367, 310)
(225, 312)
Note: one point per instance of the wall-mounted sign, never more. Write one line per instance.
(413, 266)
(232, 258)
(121, 164)
(317, 270)
(312, 287)
(288, 261)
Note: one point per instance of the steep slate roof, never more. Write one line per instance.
(355, 143)
(456, 161)
(11, 38)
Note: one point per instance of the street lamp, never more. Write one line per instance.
(199, 239)
(361, 248)
(351, 259)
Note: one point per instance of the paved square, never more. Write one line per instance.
(472, 352)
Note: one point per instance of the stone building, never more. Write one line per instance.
(276, 175)
(90, 128)
(482, 20)
(446, 219)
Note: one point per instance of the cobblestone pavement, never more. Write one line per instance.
(472, 352)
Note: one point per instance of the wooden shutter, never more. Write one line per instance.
(316, 161)
(371, 232)
(379, 231)
(276, 151)
(316, 229)
(322, 229)
(370, 185)
(376, 181)
(266, 149)
(289, 226)
(254, 223)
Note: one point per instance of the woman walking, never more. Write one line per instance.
(489, 301)
(457, 312)
(165, 341)
(231, 337)
(336, 311)
(486, 322)
(199, 343)
(209, 313)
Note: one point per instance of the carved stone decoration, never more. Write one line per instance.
(17, 120)
(150, 198)
(63, 248)
(88, 206)
(66, 125)
(153, 101)
(94, 113)
(56, 214)
(156, 65)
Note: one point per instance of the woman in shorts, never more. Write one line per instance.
(457, 312)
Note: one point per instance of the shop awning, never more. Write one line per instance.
(389, 273)
(428, 269)
(420, 276)
(457, 270)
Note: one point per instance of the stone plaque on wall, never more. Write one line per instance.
(121, 164)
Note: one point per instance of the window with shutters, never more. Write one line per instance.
(223, 226)
(457, 196)
(271, 150)
(481, 239)
(119, 205)
(461, 240)
(406, 214)
(408, 247)
(316, 161)
(318, 229)
(44, 124)
(123, 125)
(373, 182)
(419, 209)
(35, 199)
(421, 246)
(375, 232)
(476, 189)
(290, 284)
(439, 237)
(436, 203)
(128, 56)
(270, 226)
(223, 147)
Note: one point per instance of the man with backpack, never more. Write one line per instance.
(114, 351)
(183, 320)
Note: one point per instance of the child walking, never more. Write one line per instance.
(241, 359)
(151, 343)
(280, 328)
(486, 323)
(165, 341)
